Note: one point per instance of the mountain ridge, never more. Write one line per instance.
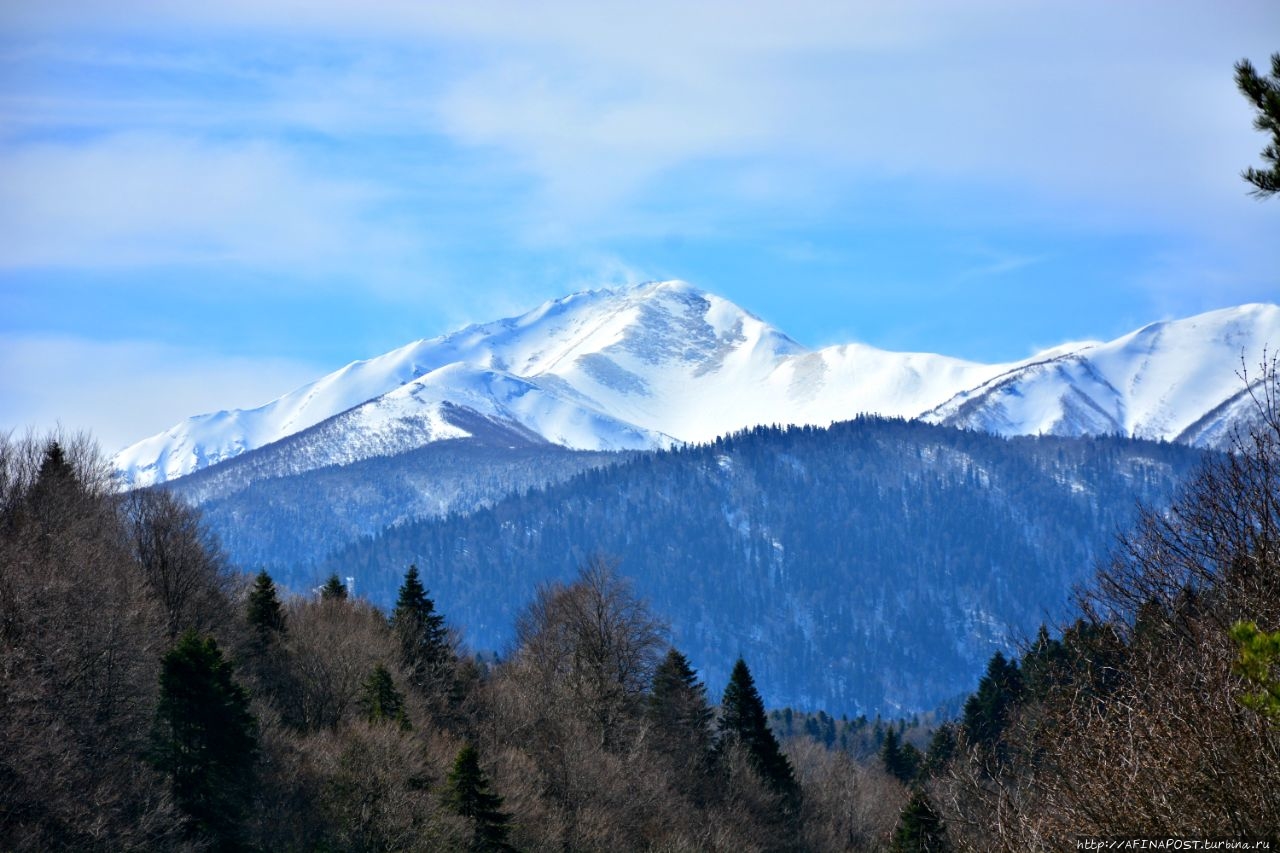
(664, 363)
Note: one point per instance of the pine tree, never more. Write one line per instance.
(1259, 653)
(424, 640)
(1264, 94)
(205, 739)
(264, 611)
(380, 700)
(333, 589)
(919, 830)
(467, 793)
(742, 720)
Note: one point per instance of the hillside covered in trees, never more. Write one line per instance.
(872, 567)
(154, 700)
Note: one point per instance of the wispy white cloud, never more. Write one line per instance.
(995, 263)
(405, 146)
(123, 391)
(137, 200)
(1093, 104)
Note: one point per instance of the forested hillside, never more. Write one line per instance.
(154, 700)
(267, 517)
(870, 567)
(1155, 712)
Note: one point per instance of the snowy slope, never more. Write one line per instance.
(647, 366)
(1174, 380)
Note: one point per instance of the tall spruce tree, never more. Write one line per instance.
(424, 639)
(205, 740)
(680, 719)
(678, 701)
(467, 793)
(264, 611)
(55, 491)
(942, 748)
(901, 760)
(743, 721)
(987, 712)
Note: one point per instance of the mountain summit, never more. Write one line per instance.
(663, 363)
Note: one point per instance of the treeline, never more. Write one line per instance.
(156, 701)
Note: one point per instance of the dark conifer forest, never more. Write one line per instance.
(872, 567)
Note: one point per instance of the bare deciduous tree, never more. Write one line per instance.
(179, 560)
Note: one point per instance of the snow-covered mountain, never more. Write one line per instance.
(663, 363)
(1179, 381)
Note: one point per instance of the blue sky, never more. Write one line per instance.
(202, 208)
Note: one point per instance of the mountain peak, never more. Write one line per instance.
(662, 361)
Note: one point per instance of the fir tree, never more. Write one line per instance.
(424, 640)
(333, 589)
(681, 718)
(1264, 94)
(54, 467)
(205, 739)
(987, 712)
(941, 749)
(742, 720)
(467, 793)
(56, 488)
(901, 760)
(919, 830)
(264, 611)
(1045, 665)
(380, 700)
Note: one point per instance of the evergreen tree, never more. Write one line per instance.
(901, 760)
(1259, 653)
(467, 793)
(333, 589)
(742, 720)
(56, 488)
(54, 467)
(941, 749)
(681, 718)
(424, 640)
(678, 701)
(920, 829)
(205, 739)
(986, 713)
(380, 700)
(1264, 94)
(1045, 665)
(264, 611)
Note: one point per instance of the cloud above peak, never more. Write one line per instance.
(593, 111)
